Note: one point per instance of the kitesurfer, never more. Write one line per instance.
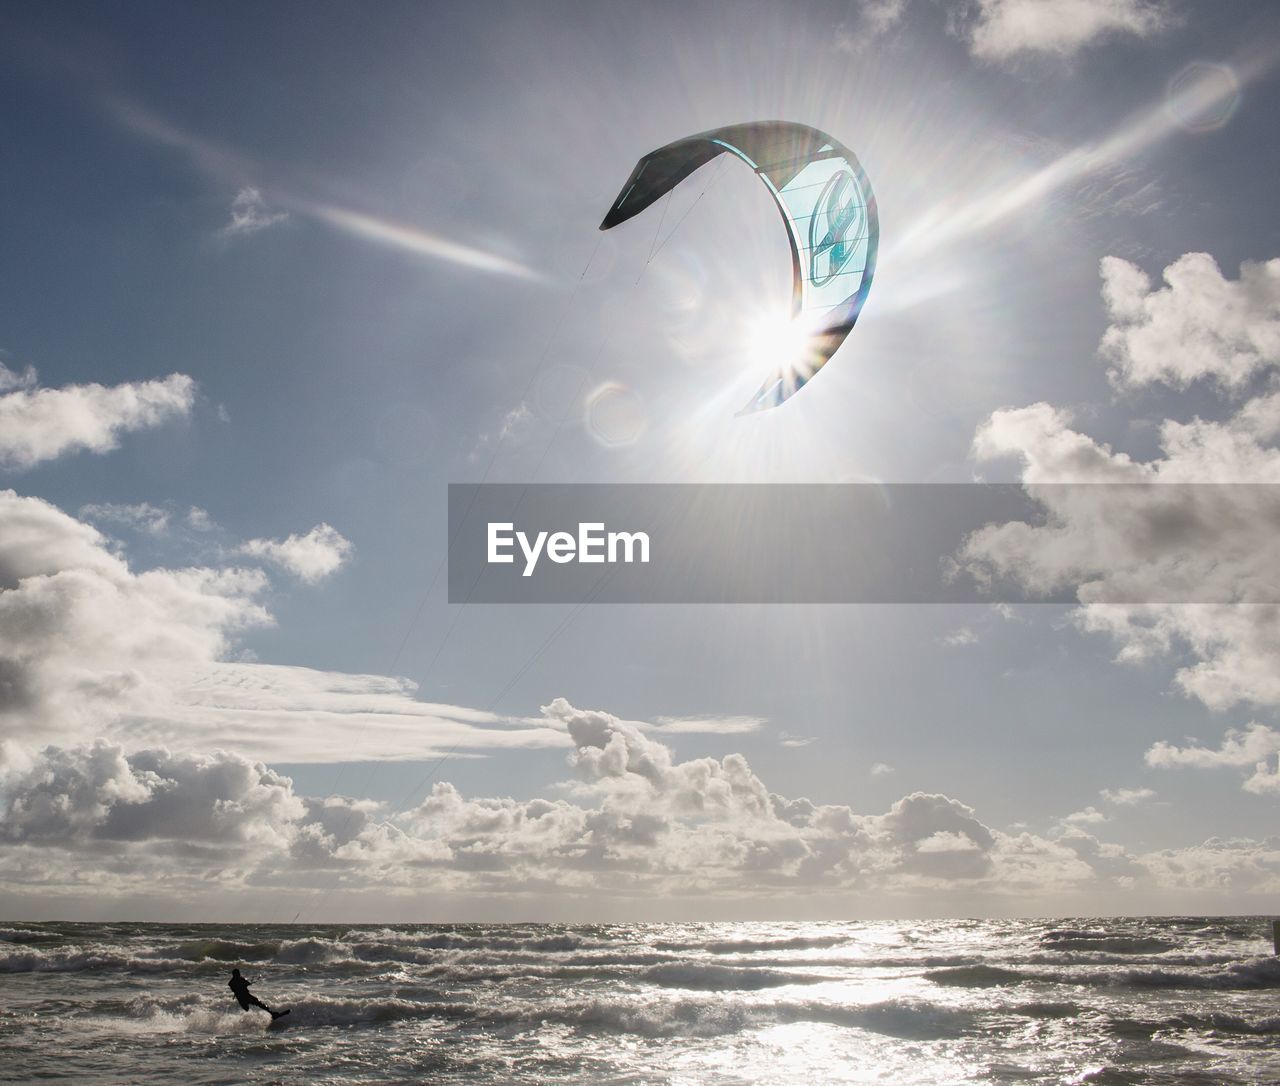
(247, 999)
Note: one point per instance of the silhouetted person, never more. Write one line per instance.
(246, 998)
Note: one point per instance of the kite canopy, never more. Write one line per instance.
(830, 212)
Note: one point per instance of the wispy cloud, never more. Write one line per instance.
(708, 725)
(1128, 797)
(786, 739)
(250, 214)
(11, 379)
(231, 166)
(140, 516)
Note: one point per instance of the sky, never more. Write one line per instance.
(272, 276)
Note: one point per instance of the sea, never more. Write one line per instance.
(1192, 1001)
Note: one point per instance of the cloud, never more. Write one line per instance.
(311, 557)
(250, 214)
(140, 517)
(1127, 797)
(97, 793)
(1220, 866)
(10, 380)
(708, 725)
(227, 165)
(1090, 816)
(40, 424)
(1000, 30)
(1255, 747)
(786, 739)
(882, 769)
(1199, 326)
(90, 648)
(1158, 543)
(879, 16)
(639, 825)
(960, 637)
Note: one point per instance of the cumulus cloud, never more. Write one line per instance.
(1090, 816)
(633, 823)
(250, 214)
(90, 648)
(1199, 326)
(1220, 866)
(1000, 30)
(97, 793)
(311, 557)
(40, 424)
(1255, 747)
(1136, 553)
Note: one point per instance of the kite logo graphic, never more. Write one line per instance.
(836, 215)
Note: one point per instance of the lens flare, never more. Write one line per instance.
(615, 415)
(1203, 96)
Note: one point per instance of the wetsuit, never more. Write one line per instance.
(244, 997)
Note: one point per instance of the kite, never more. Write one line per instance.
(830, 213)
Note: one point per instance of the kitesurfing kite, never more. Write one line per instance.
(830, 213)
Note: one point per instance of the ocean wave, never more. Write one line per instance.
(1234, 975)
(482, 940)
(1110, 944)
(691, 1017)
(220, 950)
(1240, 975)
(76, 959)
(1048, 1010)
(724, 978)
(754, 946)
(24, 935)
(976, 976)
(311, 952)
(1085, 957)
(903, 1018)
(1221, 1022)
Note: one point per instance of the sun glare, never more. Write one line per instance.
(777, 342)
